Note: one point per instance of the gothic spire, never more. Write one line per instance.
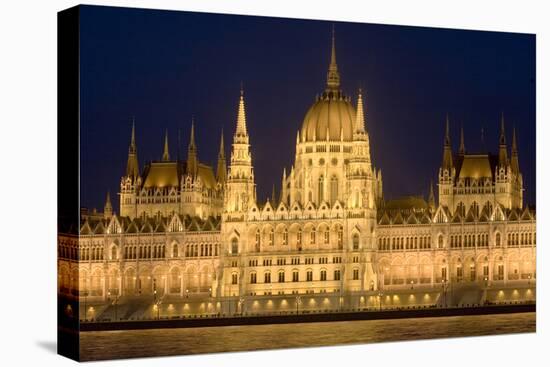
(241, 117)
(192, 159)
(431, 197)
(333, 77)
(132, 168)
(461, 149)
(447, 150)
(222, 168)
(273, 202)
(515, 159)
(502, 149)
(166, 153)
(360, 117)
(108, 208)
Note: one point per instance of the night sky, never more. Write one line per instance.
(166, 67)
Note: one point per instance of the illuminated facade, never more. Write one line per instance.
(185, 233)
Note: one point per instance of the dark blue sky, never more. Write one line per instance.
(165, 67)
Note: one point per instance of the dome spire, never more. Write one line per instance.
(192, 156)
(333, 77)
(462, 148)
(132, 167)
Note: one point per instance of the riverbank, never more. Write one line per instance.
(214, 320)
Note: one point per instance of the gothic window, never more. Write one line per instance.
(497, 240)
(267, 277)
(295, 276)
(333, 189)
(113, 253)
(355, 241)
(340, 237)
(336, 274)
(309, 276)
(323, 275)
(285, 237)
(234, 278)
(175, 250)
(327, 236)
(312, 237)
(271, 237)
(321, 190)
(252, 278)
(355, 274)
(281, 277)
(299, 237)
(440, 241)
(257, 240)
(234, 246)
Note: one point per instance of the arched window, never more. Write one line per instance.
(497, 240)
(340, 237)
(333, 189)
(113, 253)
(267, 277)
(312, 237)
(285, 237)
(355, 241)
(234, 246)
(271, 237)
(299, 237)
(440, 241)
(323, 275)
(321, 189)
(258, 240)
(327, 236)
(175, 250)
(252, 278)
(234, 278)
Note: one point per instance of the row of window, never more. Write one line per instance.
(295, 276)
(295, 261)
(404, 243)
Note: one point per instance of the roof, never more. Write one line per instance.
(476, 166)
(407, 202)
(206, 173)
(337, 114)
(162, 174)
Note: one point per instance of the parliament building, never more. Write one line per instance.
(189, 238)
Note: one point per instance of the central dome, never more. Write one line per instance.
(332, 114)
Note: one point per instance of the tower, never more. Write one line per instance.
(447, 170)
(130, 182)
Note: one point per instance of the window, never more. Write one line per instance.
(472, 272)
(234, 278)
(327, 236)
(252, 278)
(336, 274)
(440, 241)
(299, 237)
(444, 273)
(333, 189)
(295, 276)
(500, 272)
(340, 237)
(267, 278)
(459, 273)
(309, 276)
(321, 190)
(355, 274)
(312, 237)
(271, 237)
(497, 240)
(486, 271)
(323, 275)
(356, 241)
(234, 246)
(258, 241)
(175, 251)
(113, 253)
(281, 277)
(285, 237)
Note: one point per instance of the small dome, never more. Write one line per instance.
(334, 112)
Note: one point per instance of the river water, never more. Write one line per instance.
(100, 345)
